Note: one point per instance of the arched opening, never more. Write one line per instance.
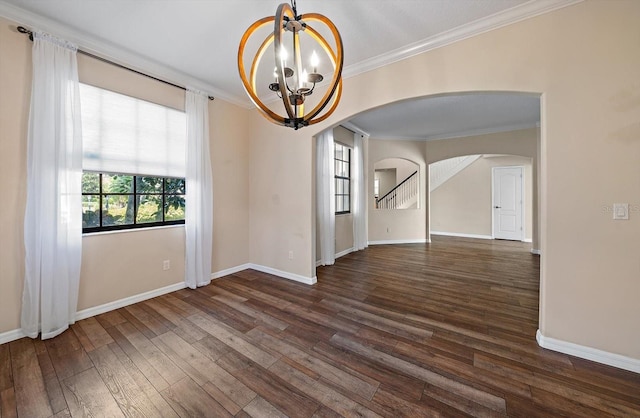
(435, 128)
(396, 184)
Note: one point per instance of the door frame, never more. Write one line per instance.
(522, 201)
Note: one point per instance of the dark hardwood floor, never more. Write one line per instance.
(446, 329)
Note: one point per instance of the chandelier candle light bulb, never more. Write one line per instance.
(315, 60)
(288, 24)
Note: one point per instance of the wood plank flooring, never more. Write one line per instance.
(445, 329)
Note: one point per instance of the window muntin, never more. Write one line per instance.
(112, 201)
(342, 161)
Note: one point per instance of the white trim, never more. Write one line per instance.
(338, 255)
(121, 303)
(457, 234)
(120, 55)
(229, 271)
(588, 353)
(354, 128)
(345, 252)
(7, 337)
(529, 240)
(16, 334)
(400, 241)
(536, 252)
(112, 52)
(506, 17)
(285, 274)
(121, 231)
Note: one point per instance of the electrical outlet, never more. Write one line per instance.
(620, 211)
(290, 255)
(166, 264)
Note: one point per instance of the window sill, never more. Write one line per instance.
(122, 231)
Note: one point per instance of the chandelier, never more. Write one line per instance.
(292, 81)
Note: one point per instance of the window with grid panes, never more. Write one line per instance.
(342, 160)
(112, 201)
(133, 161)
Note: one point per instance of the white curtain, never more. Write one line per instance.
(198, 199)
(53, 215)
(360, 236)
(325, 199)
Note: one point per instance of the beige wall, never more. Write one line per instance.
(517, 143)
(15, 81)
(462, 205)
(403, 168)
(583, 60)
(139, 253)
(386, 180)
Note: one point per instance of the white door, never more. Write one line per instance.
(508, 203)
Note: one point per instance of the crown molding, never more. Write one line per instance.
(111, 52)
(128, 58)
(354, 128)
(506, 17)
(460, 134)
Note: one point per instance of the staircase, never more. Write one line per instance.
(403, 196)
(441, 171)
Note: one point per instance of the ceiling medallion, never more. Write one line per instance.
(293, 81)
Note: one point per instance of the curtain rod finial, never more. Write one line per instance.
(26, 31)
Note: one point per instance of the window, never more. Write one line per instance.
(342, 178)
(133, 161)
(117, 201)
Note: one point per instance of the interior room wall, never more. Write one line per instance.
(403, 168)
(123, 264)
(15, 88)
(582, 60)
(522, 143)
(387, 178)
(463, 204)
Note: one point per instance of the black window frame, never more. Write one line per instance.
(342, 178)
(134, 225)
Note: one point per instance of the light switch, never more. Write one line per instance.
(620, 211)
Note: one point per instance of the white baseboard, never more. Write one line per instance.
(345, 252)
(16, 334)
(229, 271)
(588, 353)
(456, 234)
(527, 240)
(121, 303)
(400, 241)
(7, 337)
(284, 274)
(338, 255)
(536, 252)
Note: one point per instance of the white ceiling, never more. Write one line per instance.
(451, 116)
(195, 41)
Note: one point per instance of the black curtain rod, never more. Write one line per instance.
(26, 31)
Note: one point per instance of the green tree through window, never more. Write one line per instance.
(113, 201)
